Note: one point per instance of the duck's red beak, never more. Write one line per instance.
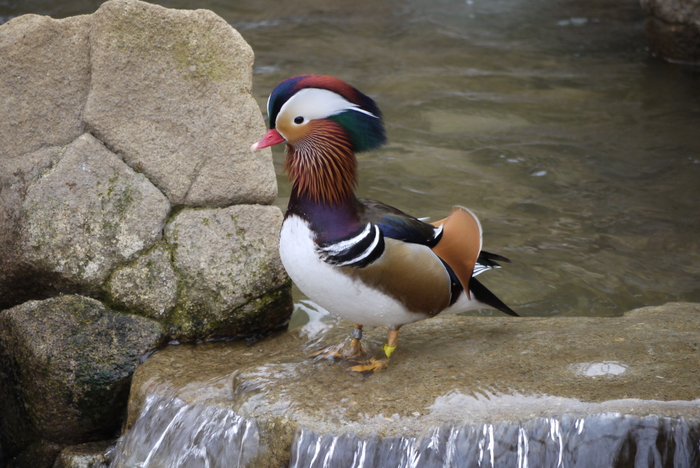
(272, 137)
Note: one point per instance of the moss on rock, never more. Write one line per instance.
(69, 362)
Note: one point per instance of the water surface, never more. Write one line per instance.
(579, 152)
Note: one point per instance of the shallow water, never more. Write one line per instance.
(579, 152)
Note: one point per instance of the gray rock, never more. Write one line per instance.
(168, 92)
(174, 100)
(44, 82)
(69, 361)
(673, 27)
(147, 286)
(106, 122)
(230, 270)
(89, 455)
(450, 375)
(90, 213)
(16, 175)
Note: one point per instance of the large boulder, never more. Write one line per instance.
(181, 110)
(111, 124)
(87, 215)
(565, 391)
(230, 270)
(66, 367)
(44, 83)
(121, 133)
(673, 27)
(147, 286)
(217, 273)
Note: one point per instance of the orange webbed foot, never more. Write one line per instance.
(369, 367)
(329, 353)
(336, 353)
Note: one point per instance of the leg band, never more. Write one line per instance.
(357, 333)
(388, 350)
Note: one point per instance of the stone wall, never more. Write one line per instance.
(127, 183)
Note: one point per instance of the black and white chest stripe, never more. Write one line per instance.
(358, 250)
(479, 268)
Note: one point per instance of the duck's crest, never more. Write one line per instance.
(362, 122)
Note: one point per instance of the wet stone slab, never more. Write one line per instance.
(450, 379)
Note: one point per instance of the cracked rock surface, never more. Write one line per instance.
(109, 122)
(130, 206)
(88, 214)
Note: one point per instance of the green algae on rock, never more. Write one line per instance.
(231, 276)
(69, 361)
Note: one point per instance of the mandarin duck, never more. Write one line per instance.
(360, 259)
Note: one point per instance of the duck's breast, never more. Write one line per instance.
(406, 284)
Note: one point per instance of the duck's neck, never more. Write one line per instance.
(322, 165)
(329, 222)
(323, 170)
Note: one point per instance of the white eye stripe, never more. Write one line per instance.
(315, 103)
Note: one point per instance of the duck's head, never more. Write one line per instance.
(323, 121)
(304, 106)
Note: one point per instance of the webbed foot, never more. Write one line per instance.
(370, 367)
(336, 353)
(329, 353)
(356, 351)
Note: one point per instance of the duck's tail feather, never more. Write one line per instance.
(492, 257)
(482, 294)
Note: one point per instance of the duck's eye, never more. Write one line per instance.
(299, 120)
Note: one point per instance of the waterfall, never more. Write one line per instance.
(600, 441)
(171, 433)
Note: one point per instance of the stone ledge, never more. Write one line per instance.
(448, 370)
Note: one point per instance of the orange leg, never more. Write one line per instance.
(392, 339)
(373, 365)
(335, 353)
(355, 345)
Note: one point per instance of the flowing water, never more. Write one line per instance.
(579, 152)
(172, 433)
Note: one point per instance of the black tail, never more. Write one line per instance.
(482, 294)
(490, 259)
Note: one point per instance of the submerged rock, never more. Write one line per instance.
(590, 391)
